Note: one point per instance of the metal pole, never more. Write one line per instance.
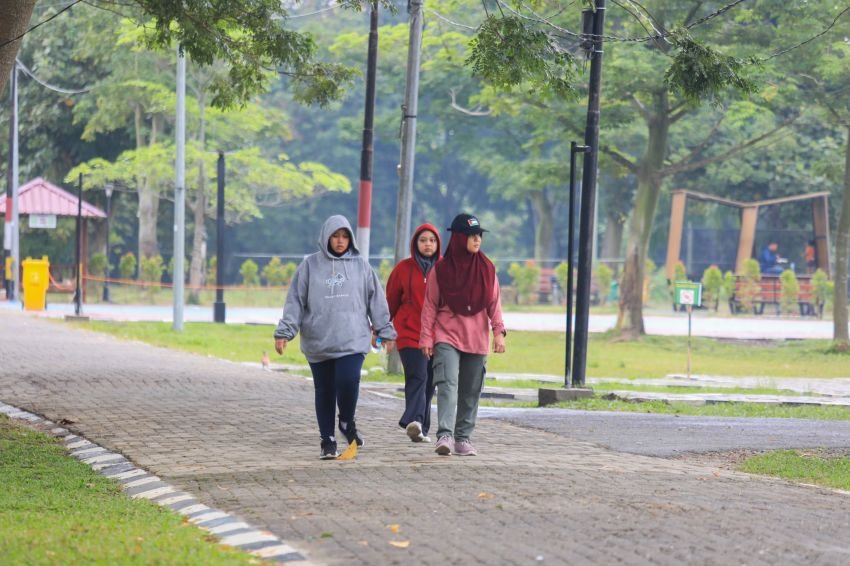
(219, 307)
(574, 148)
(364, 202)
(409, 110)
(408, 133)
(7, 220)
(78, 261)
(12, 236)
(108, 190)
(179, 193)
(588, 199)
(690, 309)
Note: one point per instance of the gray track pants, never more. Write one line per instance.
(459, 378)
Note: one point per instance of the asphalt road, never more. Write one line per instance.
(668, 436)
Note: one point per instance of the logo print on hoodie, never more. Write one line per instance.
(336, 280)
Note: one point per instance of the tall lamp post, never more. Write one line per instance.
(107, 188)
(596, 21)
(574, 149)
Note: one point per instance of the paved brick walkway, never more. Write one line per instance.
(244, 440)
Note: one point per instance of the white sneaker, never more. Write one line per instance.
(426, 439)
(414, 432)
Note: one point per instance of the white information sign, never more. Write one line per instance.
(43, 221)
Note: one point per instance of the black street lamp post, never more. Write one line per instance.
(574, 149)
(107, 188)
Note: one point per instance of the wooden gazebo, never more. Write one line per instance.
(749, 220)
(43, 198)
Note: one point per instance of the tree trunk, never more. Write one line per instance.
(544, 241)
(199, 209)
(612, 241)
(199, 238)
(630, 316)
(149, 207)
(14, 20)
(842, 253)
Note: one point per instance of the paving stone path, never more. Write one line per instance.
(244, 440)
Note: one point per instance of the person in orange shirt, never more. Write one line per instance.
(809, 256)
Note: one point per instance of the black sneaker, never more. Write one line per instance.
(329, 450)
(350, 433)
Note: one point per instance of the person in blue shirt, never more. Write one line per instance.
(770, 261)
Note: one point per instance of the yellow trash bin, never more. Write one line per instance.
(35, 283)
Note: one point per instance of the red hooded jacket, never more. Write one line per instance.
(406, 293)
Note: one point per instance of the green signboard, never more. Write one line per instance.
(687, 293)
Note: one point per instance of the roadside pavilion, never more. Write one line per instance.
(41, 199)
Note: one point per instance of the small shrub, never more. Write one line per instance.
(604, 277)
(561, 274)
(526, 278)
(789, 293)
(384, 270)
(274, 273)
(820, 290)
(212, 269)
(680, 273)
(712, 282)
(151, 271)
(728, 288)
(127, 265)
(289, 272)
(249, 272)
(750, 288)
(98, 265)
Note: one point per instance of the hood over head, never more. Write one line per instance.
(331, 225)
(422, 228)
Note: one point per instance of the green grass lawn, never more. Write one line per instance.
(56, 510)
(809, 467)
(119, 294)
(531, 352)
(749, 410)
(657, 356)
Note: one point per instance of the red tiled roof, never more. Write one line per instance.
(43, 197)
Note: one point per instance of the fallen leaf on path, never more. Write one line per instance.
(394, 528)
(350, 452)
(485, 495)
(400, 543)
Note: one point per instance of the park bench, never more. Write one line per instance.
(768, 291)
(544, 285)
(550, 291)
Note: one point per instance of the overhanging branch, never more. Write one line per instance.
(685, 167)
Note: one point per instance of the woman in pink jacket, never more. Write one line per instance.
(462, 303)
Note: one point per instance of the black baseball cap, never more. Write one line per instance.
(466, 224)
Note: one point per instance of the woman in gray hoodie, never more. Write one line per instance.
(336, 300)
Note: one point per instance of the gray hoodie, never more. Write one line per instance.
(335, 301)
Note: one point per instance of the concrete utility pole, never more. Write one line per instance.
(409, 109)
(588, 197)
(179, 193)
(364, 202)
(11, 237)
(408, 133)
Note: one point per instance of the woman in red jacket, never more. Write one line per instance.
(405, 293)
